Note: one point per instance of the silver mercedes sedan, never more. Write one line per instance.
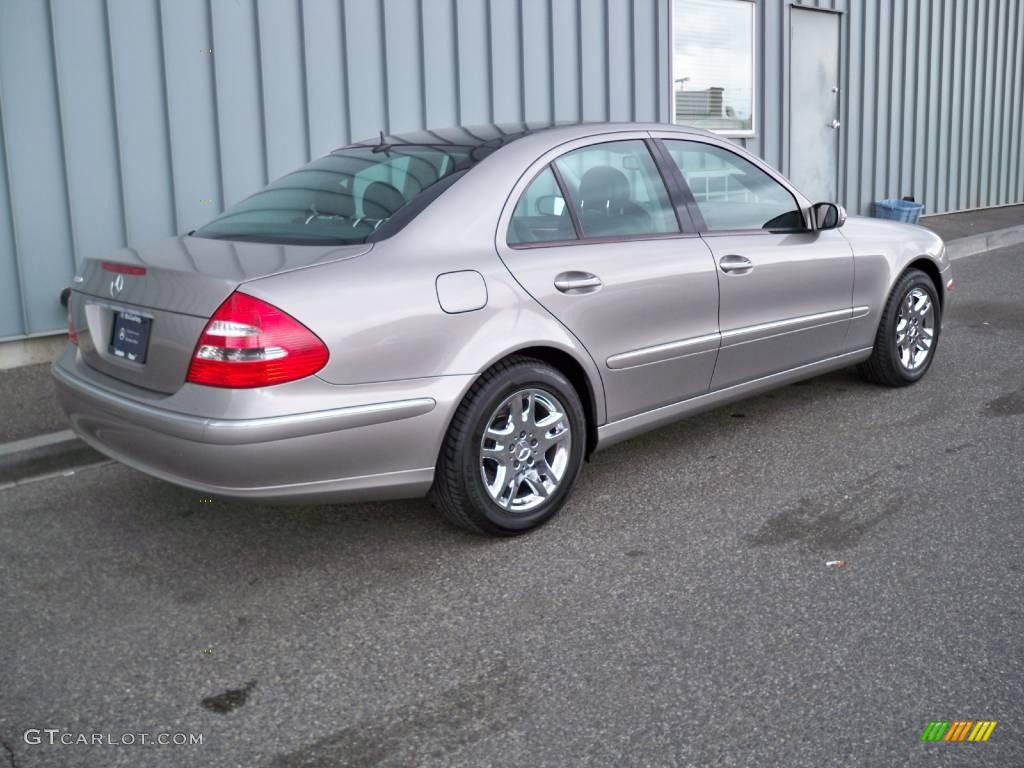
(471, 313)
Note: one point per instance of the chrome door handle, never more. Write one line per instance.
(577, 282)
(834, 124)
(741, 265)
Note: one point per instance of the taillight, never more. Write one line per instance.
(72, 333)
(250, 343)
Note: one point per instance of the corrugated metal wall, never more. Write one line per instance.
(123, 121)
(936, 109)
(931, 104)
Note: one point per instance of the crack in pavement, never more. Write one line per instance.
(9, 752)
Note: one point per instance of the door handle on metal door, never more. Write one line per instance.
(739, 265)
(577, 282)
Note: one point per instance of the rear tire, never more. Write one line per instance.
(513, 450)
(908, 333)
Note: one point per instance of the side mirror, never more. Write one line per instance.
(828, 215)
(550, 205)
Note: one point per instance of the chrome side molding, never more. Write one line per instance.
(623, 429)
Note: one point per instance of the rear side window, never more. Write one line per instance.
(733, 193)
(617, 191)
(349, 196)
(541, 215)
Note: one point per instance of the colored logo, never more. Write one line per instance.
(958, 730)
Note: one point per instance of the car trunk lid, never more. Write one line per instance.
(167, 292)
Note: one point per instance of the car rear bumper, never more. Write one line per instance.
(309, 441)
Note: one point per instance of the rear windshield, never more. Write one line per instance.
(353, 195)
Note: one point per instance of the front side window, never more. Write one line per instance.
(733, 193)
(617, 191)
(346, 197)
(541, 215)
(713, 65)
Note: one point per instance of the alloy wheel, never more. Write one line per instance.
(525, 449)
(915, 329)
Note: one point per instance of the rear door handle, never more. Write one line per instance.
(577, 282)
(739, 265)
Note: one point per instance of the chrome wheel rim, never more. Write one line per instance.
(524, 452)
(915, 329)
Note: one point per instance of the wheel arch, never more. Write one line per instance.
(930, 268)
(590, 392)
(574, 371)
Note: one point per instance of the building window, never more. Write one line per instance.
(713, 65)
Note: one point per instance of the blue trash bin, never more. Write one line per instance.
(898, 210)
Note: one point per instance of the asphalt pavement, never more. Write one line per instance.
(949, 226)
(28, 406)
(678, 612)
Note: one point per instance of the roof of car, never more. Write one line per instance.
(495, 135)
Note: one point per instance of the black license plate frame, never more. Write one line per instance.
(129, 336)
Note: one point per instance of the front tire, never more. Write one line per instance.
(908, 333)
(513, 450)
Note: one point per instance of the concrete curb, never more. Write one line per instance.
(31, 351)
(36, 441)
(44, 456)
(973, 245)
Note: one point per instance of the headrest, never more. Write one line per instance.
(332, 203)
(602, 187)
(380, 200)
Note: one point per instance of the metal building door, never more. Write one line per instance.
(814, 103)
